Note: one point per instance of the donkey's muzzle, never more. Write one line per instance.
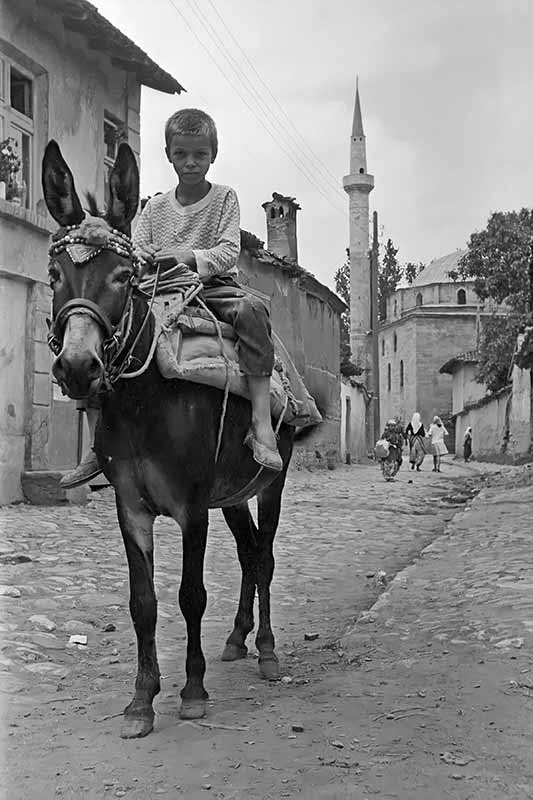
(78, 368)
(79, 374)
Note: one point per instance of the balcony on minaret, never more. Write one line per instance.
(359, 181)
(281, 226)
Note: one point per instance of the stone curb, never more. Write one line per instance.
(355, 637)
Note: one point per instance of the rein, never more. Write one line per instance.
(82, 243)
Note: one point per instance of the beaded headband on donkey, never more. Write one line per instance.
(86, 240)
(82, 243)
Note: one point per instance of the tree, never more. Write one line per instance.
(342, 287)
(497, 259)
(412, 271)
(389, 276)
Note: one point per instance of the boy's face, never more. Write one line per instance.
(191, 157)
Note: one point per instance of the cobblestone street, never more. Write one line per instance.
(387, 699)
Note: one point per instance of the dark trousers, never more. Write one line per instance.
(249, 316)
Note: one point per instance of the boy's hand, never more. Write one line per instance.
(147, 252)
(169, 257)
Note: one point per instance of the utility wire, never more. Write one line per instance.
(268, 121)
(276, 101)
(259, 97)
(269, 112)
(301, 168)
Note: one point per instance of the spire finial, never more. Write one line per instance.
(357, 127)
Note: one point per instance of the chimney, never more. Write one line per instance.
(281, 226)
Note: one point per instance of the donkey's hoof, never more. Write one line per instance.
(232, 652)
(269, 667)
(192, 709)
(136, 727)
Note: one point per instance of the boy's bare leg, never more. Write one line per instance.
(266, 448)
(88, 467)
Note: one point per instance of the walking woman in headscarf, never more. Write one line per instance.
(415, 435)
(467, 444)
(437, 432)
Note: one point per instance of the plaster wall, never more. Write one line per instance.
(13, 299)
(519, 441)
(310, 330)
(73, 86)
(488, 425)
(353, 415)
(465, 387)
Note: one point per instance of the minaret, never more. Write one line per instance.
(358, 184)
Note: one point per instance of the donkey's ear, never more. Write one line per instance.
(123, 189)
(58, 187)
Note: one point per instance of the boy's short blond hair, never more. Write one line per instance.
(192, 122)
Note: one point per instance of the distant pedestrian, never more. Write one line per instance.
(467, 444)
(415, 434)
(436, 433)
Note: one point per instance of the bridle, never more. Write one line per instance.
(82, 243)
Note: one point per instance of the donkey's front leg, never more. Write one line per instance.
(193, 598)
(268, 511)
(136, 524)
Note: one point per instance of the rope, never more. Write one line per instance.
(120, 372)
(226, 385)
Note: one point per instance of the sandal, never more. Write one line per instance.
(263, 455)
(87, 468)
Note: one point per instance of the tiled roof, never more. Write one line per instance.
(306, 280)
(470, 357)
(82, 17)
(437, 271)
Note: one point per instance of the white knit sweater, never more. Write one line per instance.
(210, 228)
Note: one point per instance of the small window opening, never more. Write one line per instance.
(383, 347)
(461, 297)
(388, 377)
(395, 340)
(281, 212)
(419, 299)
(401, 375)
(272, 213)
(361, 170)
(20, 88)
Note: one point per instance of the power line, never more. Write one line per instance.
(268, 110)
(267, 122)
(276, 101)
(301, 168)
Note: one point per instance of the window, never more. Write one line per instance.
(461, 297)
(383, 347)
(419, 299)
(113, 136)
(401, 375)
(395, 308)
(388, 377)
(17, 125)
(395, 343)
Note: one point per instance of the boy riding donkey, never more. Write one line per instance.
(197, 226)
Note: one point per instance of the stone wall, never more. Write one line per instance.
(424, 341)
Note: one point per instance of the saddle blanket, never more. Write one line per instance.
(192, 347)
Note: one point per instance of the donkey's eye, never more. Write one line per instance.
(122, 276)
(54, 276)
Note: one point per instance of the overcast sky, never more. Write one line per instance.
(446, 98)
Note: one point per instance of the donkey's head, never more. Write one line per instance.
(91, 269)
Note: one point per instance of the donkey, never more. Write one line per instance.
(156, 439)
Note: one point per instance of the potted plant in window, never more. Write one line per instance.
(9, 168)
